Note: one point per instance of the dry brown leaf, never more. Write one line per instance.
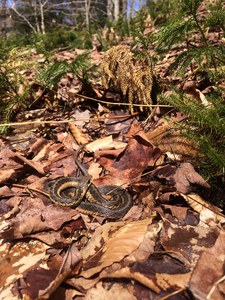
(6, 175)
(71, 259)
(95, 170)
(33, 216)
(188, 241)
(209, 214)
(130, 163)
(82, 283)
(118, 125)
(166, 281)
(115, 291)
(147, 246)
(179, 212)
(5, 191)
(33, 164)
(134, 213)
(39, 149)
(208, 271)
(120, 244)
(51, 153)
(15, 260)
(100, 236)
(186, 176)
(105, 143)
(78, 134)
(128, 273)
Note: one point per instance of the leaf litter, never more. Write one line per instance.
(160, 249)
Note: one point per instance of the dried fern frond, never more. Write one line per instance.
(15, 85)
(129, 73)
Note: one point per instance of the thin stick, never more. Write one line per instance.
(31, 189)
(122, 103)
(69, 120)
(214, 287)
(172, 294)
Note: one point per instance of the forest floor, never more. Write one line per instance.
(169, 245)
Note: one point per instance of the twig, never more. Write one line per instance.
(69, 120)
(31, 189)
(172, 294)
(214, 286)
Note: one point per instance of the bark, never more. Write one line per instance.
(87, 12)
(3, 18)
(42, 15)
(13, 7)
(131, 10)
(124, 8)
(116, 9)
(110, 10)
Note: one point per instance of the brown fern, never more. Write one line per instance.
(128, 73)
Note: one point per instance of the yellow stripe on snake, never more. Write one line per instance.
(108, 201)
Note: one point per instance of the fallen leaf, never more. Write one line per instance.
(122, 243)
(128, 273)
(167, 281)
(147, 246)
(72, 258)
(186, 176)
(209, 214)
(178, 211)
(115, 291)
(16, 259)
(188, 241)
(6, 175)
(121, 171)
(33, 164)
(77, 133)
(33, 216)
(105, 143)
(204, 283)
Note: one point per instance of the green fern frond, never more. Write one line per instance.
(175, 31)
(214, 161)
(204, 118)
(14, 85)
(54, 72)
(217, 74)
(206, 126)
(80, 63)
(190, 7)
(216, 18)
(208, 54)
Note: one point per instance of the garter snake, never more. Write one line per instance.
(109, 201)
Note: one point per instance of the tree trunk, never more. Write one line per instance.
(13, 7)
(131, 9)
(87, 12)
(42, 16)
(116, 9)
(124, 8)
(35, 17)
(110, 10)
(3, 17)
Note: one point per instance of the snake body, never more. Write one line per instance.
(109, 201)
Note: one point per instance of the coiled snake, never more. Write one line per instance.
(108, 201)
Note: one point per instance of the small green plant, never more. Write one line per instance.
(79, 67)
(206, 126)
(14, 83)
(162, 10)
(189, 28)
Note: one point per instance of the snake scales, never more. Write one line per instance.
(109, 201)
